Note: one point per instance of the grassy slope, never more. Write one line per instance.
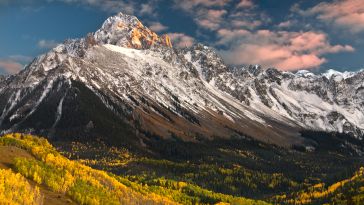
(40, 162)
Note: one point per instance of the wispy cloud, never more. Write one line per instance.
(157, 27)
(285, 24)
(13, 64)
(114, 6)
(208, 14)
(10, 66)
(245, 4)
(211, 18)
(20, 58)
(48, 44)
(189, 5)
(181, 40)
(214, 15)
(111, 6)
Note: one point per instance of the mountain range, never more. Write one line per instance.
(126, 79)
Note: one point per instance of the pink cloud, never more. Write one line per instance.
(227, 35)
(208, 24)
(211, 19)
(214, 15)
(281, 49)
(251, 24)
(191, 4)
(10, 67)
(285, 24)
(308, 61)
(211, 2)
(181, 40)
(249, 19)
(157, 27)
(348, 14)
(245, 4)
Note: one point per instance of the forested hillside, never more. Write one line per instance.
(347, 191)
(34, 172)
(83, 185)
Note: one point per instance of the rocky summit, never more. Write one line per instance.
(127, 31)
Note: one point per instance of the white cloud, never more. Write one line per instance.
(47, 44)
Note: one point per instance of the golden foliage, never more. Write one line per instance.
(82, 183)
(14, 189)
(89, 186)
(318, 192)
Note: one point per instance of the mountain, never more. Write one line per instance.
(2, 79)
(331, 102)
(126, 85)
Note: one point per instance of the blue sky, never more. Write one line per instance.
(286, 34)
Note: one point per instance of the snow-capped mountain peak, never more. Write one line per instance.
(127, 73)
(127, 31)
(337, 75)
(304, 73)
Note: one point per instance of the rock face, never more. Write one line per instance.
(127, 85)
(127, 31)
